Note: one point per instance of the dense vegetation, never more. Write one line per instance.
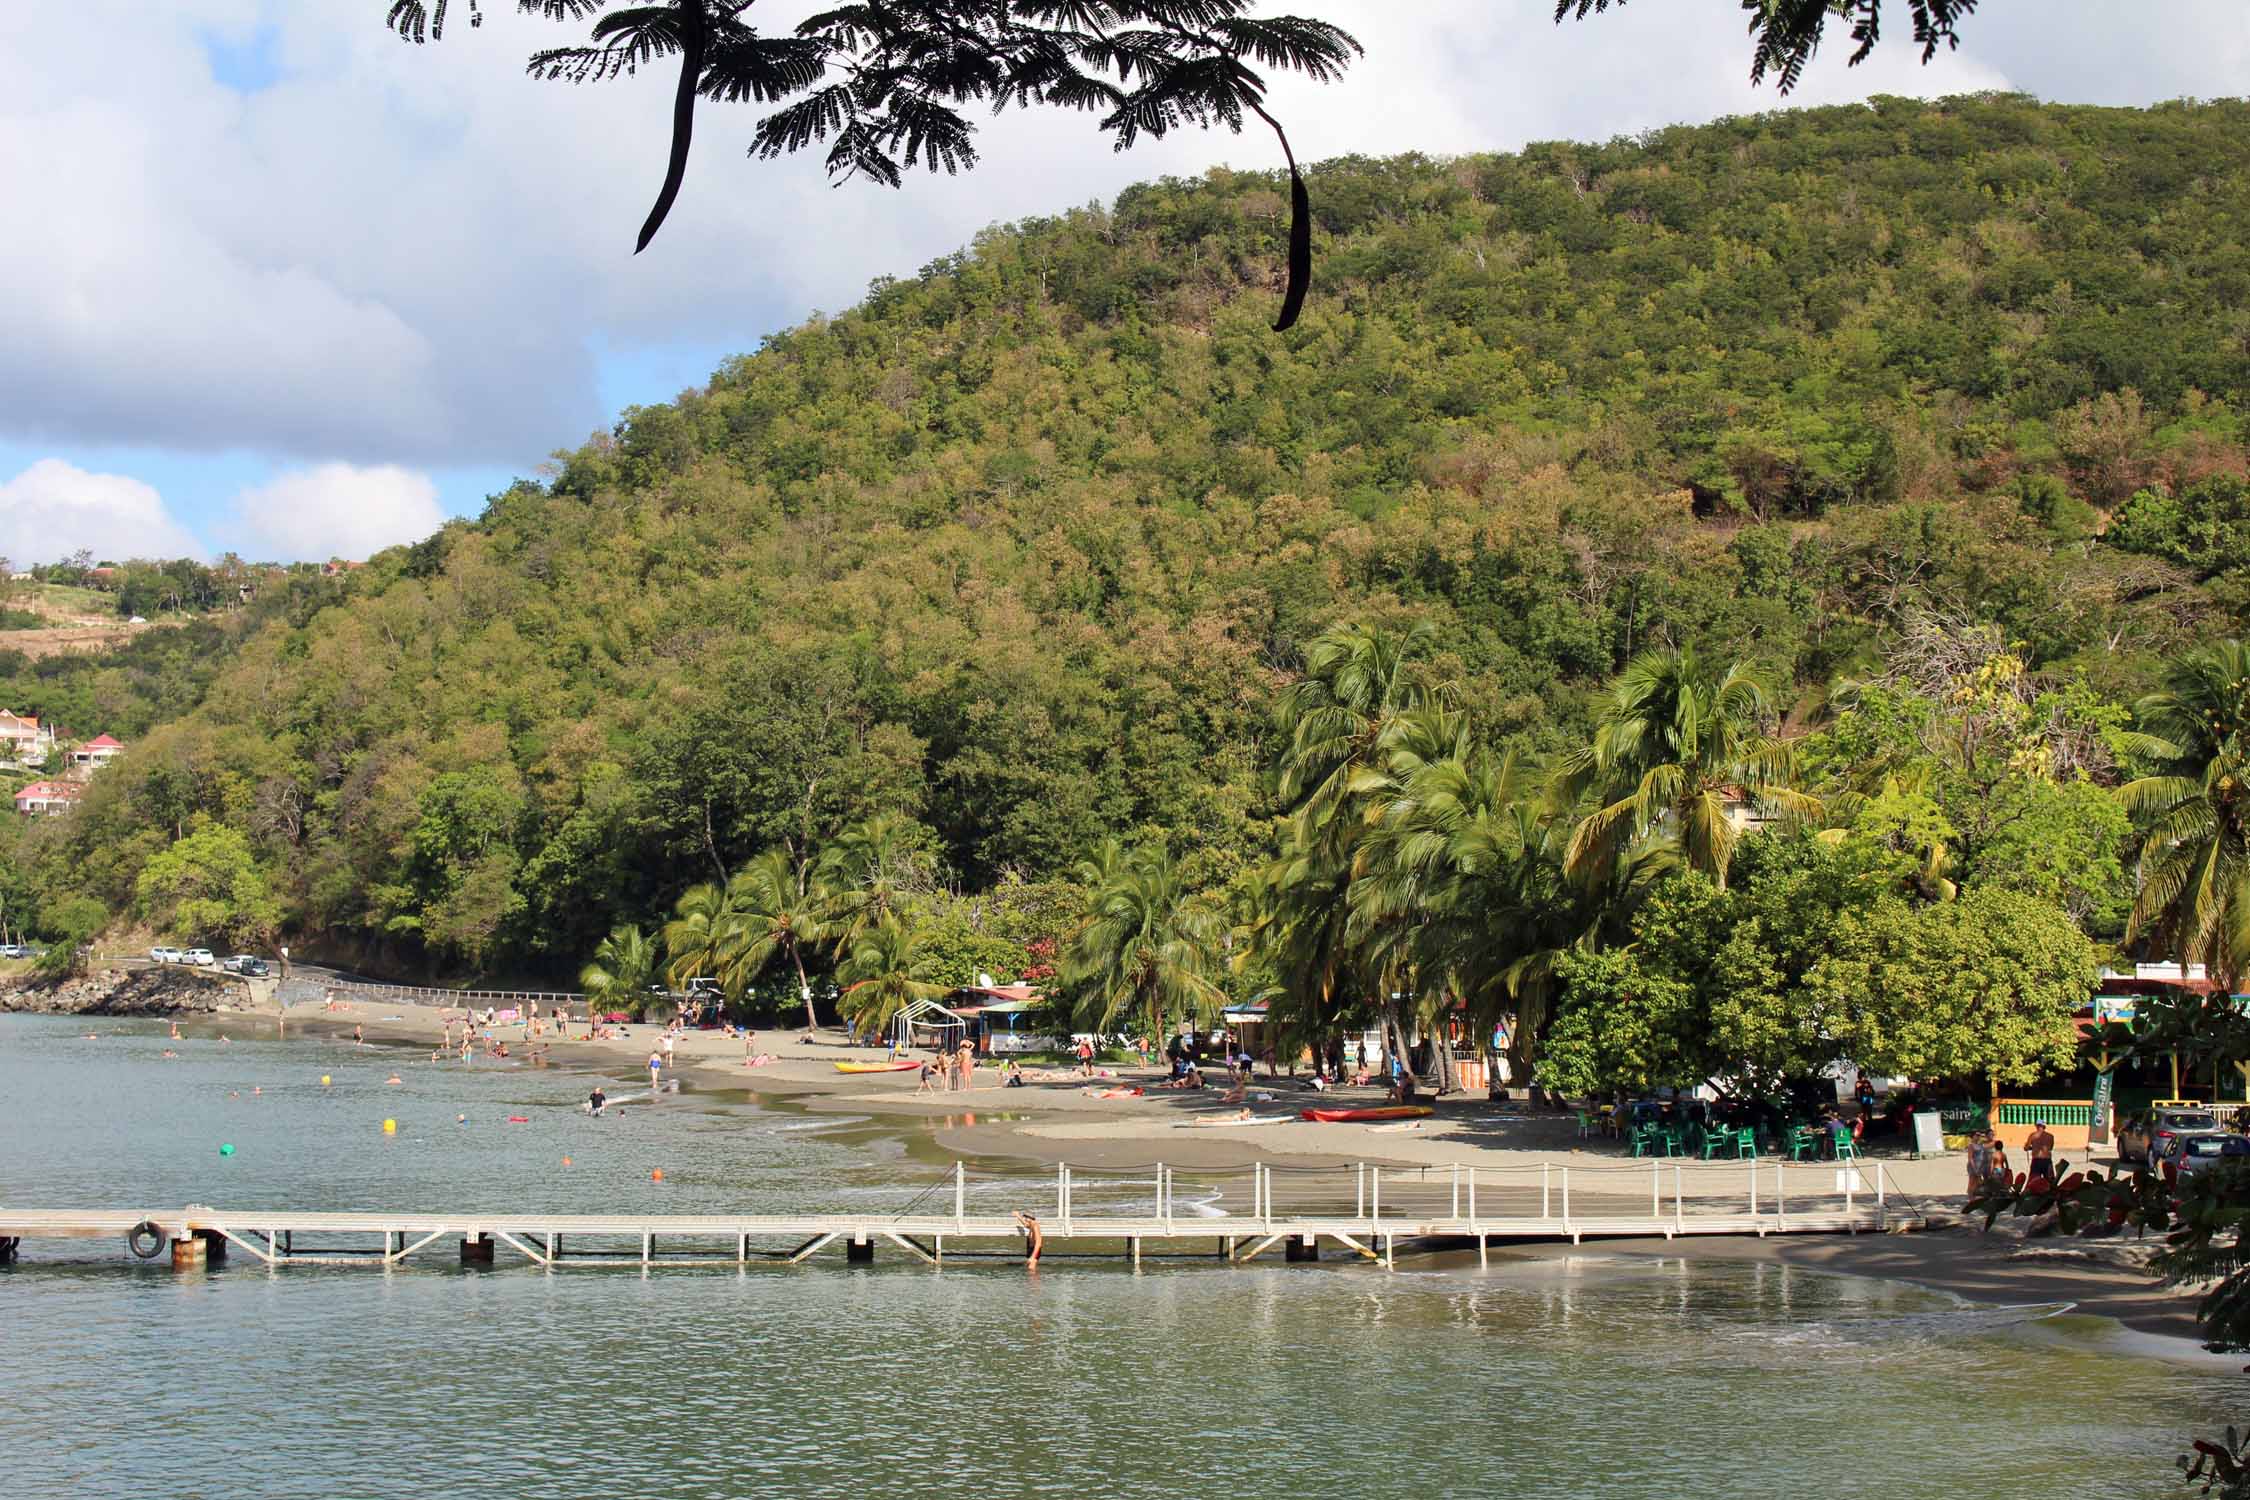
(1892, 405)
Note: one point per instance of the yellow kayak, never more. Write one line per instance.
(881, 1067)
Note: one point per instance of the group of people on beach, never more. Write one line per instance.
(1990, 1169)
(950, 1069)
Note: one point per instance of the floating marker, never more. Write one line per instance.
(657, 1175)
(390, 1127)
(227, 1149)
(566, 1161)
(324, 1080)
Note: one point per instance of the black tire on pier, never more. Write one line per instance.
(145, 1239)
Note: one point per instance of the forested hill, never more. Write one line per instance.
(1023, 546)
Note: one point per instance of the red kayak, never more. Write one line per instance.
(1369, 1115)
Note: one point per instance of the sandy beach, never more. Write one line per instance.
(1059, 1116)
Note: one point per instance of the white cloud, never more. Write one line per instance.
(336, 510)
(400, 254)
(53, 509)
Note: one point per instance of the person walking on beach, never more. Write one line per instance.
(655, 1071)
(667, 1049)
(358, 1038)
(1085, 1058)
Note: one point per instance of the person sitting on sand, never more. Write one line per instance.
(1011, 1075)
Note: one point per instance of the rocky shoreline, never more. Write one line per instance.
(124, 992)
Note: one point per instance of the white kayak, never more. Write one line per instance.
(1216, 1120)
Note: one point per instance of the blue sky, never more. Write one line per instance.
(303, 289)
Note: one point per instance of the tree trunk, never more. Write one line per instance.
(804, 988)
(1448, 1080)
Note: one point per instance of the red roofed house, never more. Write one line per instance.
(95, 753)
(47, 798)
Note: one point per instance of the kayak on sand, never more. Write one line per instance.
(904, 1066)
(1362, 1116)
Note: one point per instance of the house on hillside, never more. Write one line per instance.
(24, 741)
(45, 799)
(94, 754)
(337, 567)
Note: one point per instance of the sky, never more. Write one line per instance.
(278, 283)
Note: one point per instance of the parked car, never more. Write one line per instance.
(200, 957)
(163, 955)
(2154, 1135)
(14, 950)
(243, 963)
(2200, 1153)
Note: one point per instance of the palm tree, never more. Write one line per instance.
(618, 978)
(1146, 946)
(1676, 742)
(2195, 858)
(774, 910)
(887, 968)
(691, 938)
(1358, 678)
(866, 871)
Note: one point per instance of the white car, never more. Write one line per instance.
(201, 957)
(162, 955)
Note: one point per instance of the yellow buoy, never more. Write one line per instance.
(324, 1080)
(390, 1127)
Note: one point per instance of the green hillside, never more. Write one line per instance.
(1024, 547)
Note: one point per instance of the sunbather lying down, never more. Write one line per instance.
(1125, 1093)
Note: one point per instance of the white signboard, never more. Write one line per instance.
(1929, 1133)
(1023, 1041)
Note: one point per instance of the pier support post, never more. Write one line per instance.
(214, 1246)
(1300, 1248)
(188, 1252)
(477, 1250)
(859, 1252)
(1133, 1246)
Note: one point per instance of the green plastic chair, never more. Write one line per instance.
(1845, 1149)
(1746, 1144)
(1716, 1141)
(1585, 1124)
(1804, 1141)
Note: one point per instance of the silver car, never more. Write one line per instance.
(2200, 1153)
(2157, 1135)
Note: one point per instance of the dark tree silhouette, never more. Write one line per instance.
(883, 83)
(1786, 33)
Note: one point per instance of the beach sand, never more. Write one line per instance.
(1058, 1117)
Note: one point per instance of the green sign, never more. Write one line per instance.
(2097, 1132)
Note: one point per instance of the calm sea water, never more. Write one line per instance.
(1588, 1377)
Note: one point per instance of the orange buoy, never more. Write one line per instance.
(657, 1175)
(566, 1161)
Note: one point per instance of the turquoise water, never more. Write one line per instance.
(1581, 1377)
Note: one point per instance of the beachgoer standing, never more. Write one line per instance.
(1033, 1240)
(667, 1049)
(2040, 1147)
(1980, 1162)
(597, 1101)
(358, 1039)
(968, 1056)
(1085, 1058)
(655, 1071)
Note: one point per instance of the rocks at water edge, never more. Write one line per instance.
(124, 992)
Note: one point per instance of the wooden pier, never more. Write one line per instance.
(1426, 1207)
